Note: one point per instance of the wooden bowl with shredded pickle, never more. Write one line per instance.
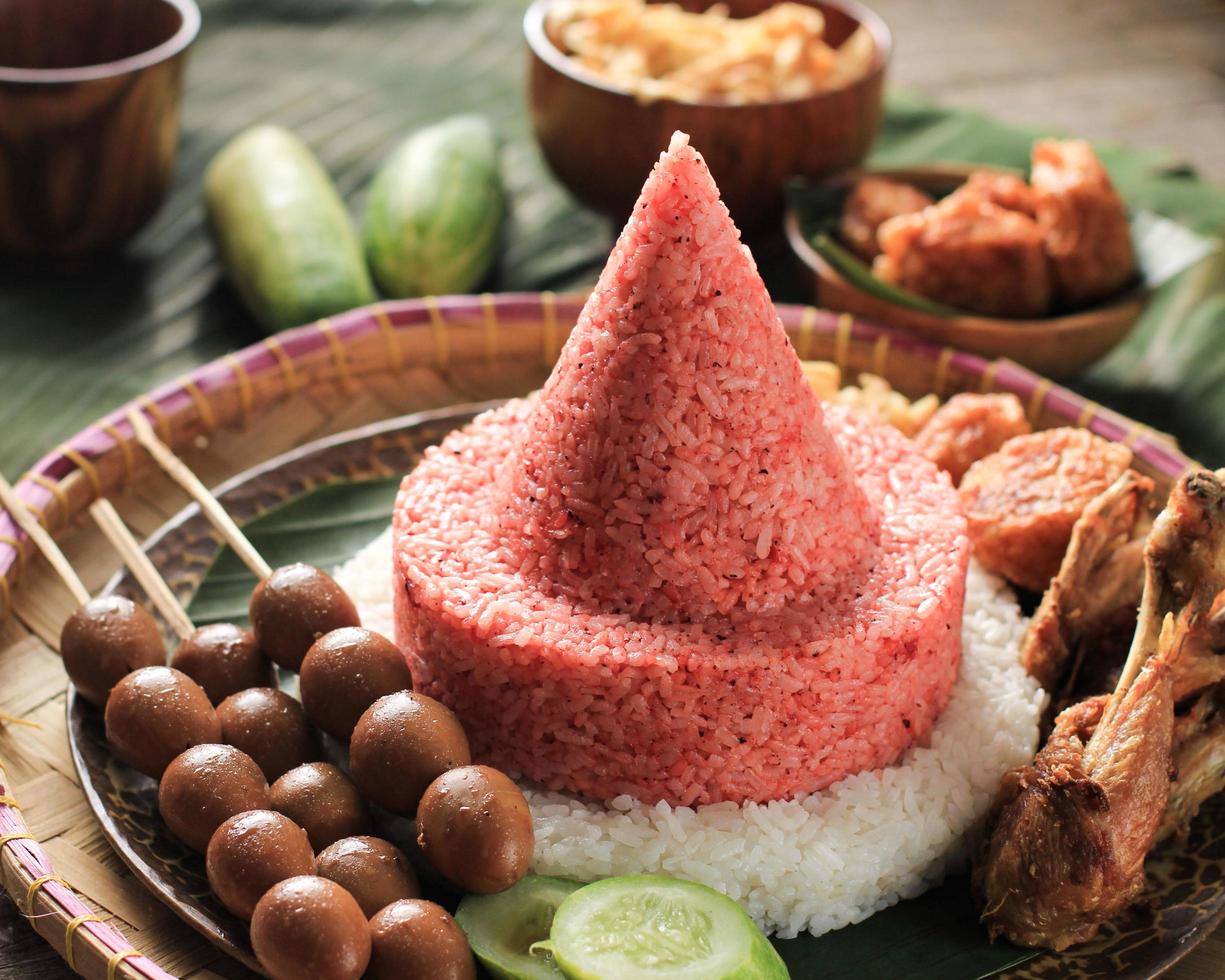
(768, 90)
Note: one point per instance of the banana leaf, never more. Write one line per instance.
(933, 937)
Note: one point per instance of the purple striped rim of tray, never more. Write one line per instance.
(405, 315)
(37, 863)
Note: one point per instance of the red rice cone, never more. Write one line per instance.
(676, 464)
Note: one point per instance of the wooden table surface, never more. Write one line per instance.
(1143, 73)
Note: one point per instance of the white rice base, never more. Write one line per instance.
(824, 860)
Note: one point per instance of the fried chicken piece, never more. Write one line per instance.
(968, 427)
(970, 254)
(1203, 664)
(872, 202)
(1022, 502)
(1007, 191)
(1199, 762)
(1197, 575)
(1069, 834)
(1083, 222)
(1091, 603)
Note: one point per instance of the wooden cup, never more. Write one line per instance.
(89, 118)
(601, 142)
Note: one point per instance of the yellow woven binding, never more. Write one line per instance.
(85, 466)
(70, 932)
(388, 331)
(438, 324)
(35, 885)
(286, 363)
(940, 382)
(549, 345)
(10, 801)
(491, 326)
(55, 490)
(808, 326)
(1134, 433)
(988, 382)
(112, 964)
(16, 546)
(160, 420)
(207, 417)
(842, 340)
(340, 360)
(40, 515)
(125, 448)
(1034, 411)
(246, 396)
(1086, 416)
(880, 354)
(6, 839)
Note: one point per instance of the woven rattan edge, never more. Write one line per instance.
(444, 334)
(55, 910)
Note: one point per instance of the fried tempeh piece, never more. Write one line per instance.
(1022, 502)
(872, 202)
(968, 427)
(969, 254)
(1007, 191)
(1084, 224)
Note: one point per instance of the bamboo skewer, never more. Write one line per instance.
(181, 473)
(103, 511)
(43, 541)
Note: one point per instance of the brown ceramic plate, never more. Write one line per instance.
(1185, 899)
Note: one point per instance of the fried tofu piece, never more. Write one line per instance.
(872, 202)
(970, 254)
(1022, 501)
(1007, 191)
(968, 427)
(1083, 222)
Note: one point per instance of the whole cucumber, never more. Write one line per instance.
(284, 235)
(435, 210)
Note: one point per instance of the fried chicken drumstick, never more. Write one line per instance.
(1094, 597)
(1069, 833)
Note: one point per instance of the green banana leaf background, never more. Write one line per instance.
(354, 76)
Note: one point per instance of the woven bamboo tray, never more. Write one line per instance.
(367, 365)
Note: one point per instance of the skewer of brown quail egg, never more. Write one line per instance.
(216, 798)
(407, 753)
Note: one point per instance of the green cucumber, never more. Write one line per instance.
(651, 927)
(284, 235)
(435, 209)
(502, 928)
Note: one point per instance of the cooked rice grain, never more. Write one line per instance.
(828, 859)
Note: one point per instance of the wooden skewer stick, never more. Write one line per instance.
(51, 551)
(181, 473)
(133, 555)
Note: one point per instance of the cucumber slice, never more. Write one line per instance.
(501, 928)
(651, 927)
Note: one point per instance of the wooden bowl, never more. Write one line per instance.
(89, 118)
(1058, 346)
(601, 141)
